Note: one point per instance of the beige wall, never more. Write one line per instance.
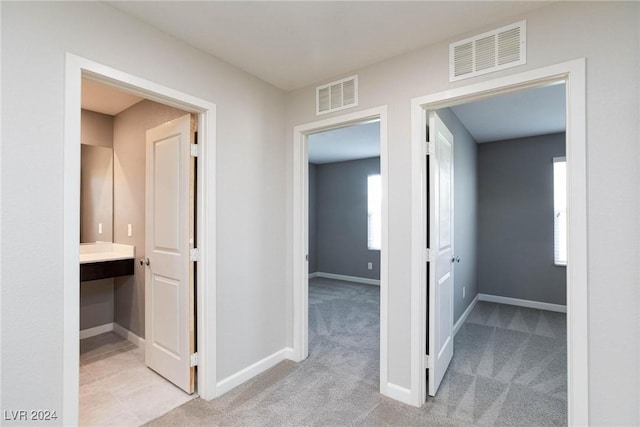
(96, 184)
(96, 132)
(129, 139)
(96, 129)
(607, 35)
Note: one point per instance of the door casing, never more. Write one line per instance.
(573, 74)
(76, 68)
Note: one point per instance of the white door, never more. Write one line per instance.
(169, 321)
(441, 245)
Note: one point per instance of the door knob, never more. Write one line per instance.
(145, 261)
(455, 259)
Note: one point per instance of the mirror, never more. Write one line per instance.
(96, 194)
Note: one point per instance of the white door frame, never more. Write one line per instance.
(574, 75)
(301, 230)
(76, 68)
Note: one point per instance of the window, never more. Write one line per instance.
(374, 214)
(559, 211)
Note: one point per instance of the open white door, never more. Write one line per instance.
(441, 248)
(169, 320)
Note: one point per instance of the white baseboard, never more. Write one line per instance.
(354, 279)
(249, 372)
(128, 335)
(96, 330)
(466, 314)
(523, 303)
(398, 393)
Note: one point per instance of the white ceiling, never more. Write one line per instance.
(348, 143)
(105, 99)
(297, 43)
(530, 112)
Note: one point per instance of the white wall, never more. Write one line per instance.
(607, 34)
(251, 173)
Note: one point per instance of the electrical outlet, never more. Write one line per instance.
(129, 230)
(369, 266)
(463, 292)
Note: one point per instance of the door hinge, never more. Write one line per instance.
(194, 359)
(427, 362)
(428, 148)
(427, 255)
(194, 254)
(195, 151)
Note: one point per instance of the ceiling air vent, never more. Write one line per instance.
(337, 95)
(488, 52)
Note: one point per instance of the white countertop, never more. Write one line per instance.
(99, 252)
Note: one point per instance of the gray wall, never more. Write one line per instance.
(251, 171)
(515, 248)
(129, 142)
(313, 255)
(465, 205)
(96, 303)
(341, 212)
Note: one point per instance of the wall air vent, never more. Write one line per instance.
(494, 50)
(337, 95)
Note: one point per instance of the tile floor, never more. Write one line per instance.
(117, 389)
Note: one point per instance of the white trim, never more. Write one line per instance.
(300, 231)
(523, 303)
(355, 279)
(573, 73)
(398, 393)
(128, 335)
(77, 67)
(234, 380)
(96, 330)
(466, 314)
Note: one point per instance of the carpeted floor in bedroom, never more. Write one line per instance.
(509, 368)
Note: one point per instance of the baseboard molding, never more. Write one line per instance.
(128, 335)
(523, 303)
(249, 372)
(466, 314)
(398, 393)
(354, 279)
(96, 330)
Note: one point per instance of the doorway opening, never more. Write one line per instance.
(199, 213)
(376, 117)
(572, 75)
(123, 345)
(345, 240)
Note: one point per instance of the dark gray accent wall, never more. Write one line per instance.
(341, 215)
(515, 246)
(465, 205)
(313, 256)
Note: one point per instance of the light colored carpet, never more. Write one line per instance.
(509, 368)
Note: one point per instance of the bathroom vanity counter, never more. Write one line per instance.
(104, 260)
(100, 252)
